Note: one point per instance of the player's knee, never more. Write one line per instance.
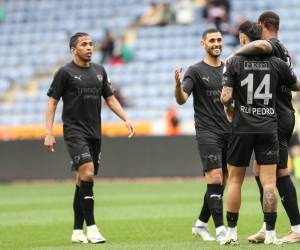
(87, 175)
(214, 176)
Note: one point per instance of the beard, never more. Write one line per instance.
(211, 52)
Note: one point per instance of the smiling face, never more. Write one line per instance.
(83, 49)
(213, 44)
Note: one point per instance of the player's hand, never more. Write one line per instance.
(178, 76)
(49, 142)
(229, 113)
(130, 128)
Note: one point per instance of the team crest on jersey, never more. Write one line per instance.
(100, 77)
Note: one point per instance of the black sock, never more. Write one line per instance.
(87, 201)
(205, 213)
(270, 219)
(232, 219)
(288, 196)
(78, 214)
(215, 203)
(261, 191)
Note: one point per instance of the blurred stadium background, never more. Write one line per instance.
(133, 215)
(141, 64)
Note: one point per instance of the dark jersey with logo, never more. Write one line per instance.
(81, 90)
(284, 95)
(205, 82)
(255, 81)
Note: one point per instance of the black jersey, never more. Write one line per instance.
(255, 81)
(284, 95)
(205, 82)
(81, 90)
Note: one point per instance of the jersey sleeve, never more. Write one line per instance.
(228, 74)
(107, 87)
(58, 84)
(287, 75)
(281, 52)
(188, 81)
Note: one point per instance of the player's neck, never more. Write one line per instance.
(81, 63)
(212, 61)
(268, 35)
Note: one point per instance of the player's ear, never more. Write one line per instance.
(202, 44)
(73, 50)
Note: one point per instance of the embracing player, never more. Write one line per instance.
(269, 22)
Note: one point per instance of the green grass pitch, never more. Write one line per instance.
(131, 215)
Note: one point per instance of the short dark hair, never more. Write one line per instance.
(74, 39)
(251, 30)
(270, 20)
(208, 31)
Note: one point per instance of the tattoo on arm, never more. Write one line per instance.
(269, 200)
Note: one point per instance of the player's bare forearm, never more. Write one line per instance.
(116, 107)
(258, 47)
(226, 96)
(50, 114)
(180, 95)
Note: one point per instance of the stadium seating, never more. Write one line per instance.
(34, 42)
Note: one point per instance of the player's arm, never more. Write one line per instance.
(258, 47)
(116, 107)
(226, 96)
(50, 114)
(227, 101)
(180, 95)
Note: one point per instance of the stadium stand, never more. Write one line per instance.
(34, 38)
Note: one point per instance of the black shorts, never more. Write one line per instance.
(241, 147)
(286, 125)
(213, 150)
(84, 150)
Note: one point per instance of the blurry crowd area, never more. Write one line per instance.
(139, 42)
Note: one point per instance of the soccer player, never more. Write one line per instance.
(252, 82)
(269, 22)
(203, 79)
(81, 84)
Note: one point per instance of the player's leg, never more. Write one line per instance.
(211, 157)
(285, 186)
(74, 147)
(258, 237)
(239, 153)
(201, 226)
(86, 194)
(214, 193)
(266, 151)
(82, 160)
(288, 197)
(234, 186)
(78, 235)
(268, 181)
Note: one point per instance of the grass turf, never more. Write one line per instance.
(131, 215)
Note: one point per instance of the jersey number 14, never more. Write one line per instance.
(258, 94)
